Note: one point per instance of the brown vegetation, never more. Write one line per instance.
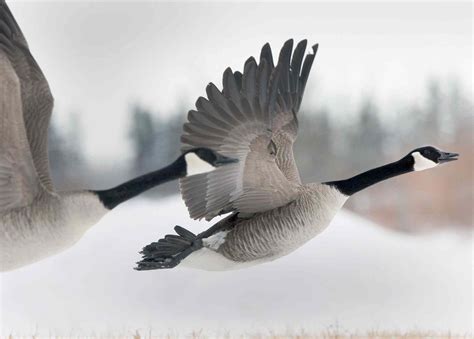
(271, 335)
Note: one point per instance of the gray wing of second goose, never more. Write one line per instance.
(253, 119)
(36, 98)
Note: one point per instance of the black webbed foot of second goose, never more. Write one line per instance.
(169, 251)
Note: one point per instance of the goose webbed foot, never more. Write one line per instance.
(169, 251)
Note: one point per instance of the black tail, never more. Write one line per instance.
(169, 251)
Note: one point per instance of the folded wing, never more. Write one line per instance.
(252, 119)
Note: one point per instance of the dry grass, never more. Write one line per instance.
(330, 334)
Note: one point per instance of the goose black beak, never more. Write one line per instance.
(446, 157)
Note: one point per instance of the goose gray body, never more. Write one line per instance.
(267, 236)
(35, 220)
(254, 119)
(49, 225)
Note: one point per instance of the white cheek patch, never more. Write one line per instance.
(195, 165)
(422, 163)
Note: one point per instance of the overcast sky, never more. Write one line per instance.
(102, 57)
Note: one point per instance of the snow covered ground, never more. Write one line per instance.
(355, 276)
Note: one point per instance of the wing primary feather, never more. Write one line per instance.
(7, 16)
(249, 78)
(245, 103)
(284, 64)
(266, 54)
(238, 79)
(232, 93)
(219, 103)
(4, 29)
(5, 43)
(198, 141)
(192, 128)
(273, 89)
(212, 113)
(216, 96)
(296, 62)
(249, 83)
(262, 80)
(202, 118)
(230, 88)
(247, 108)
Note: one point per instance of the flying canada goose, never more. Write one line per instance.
(36, 221)
(254, 119)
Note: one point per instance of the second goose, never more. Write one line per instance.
(254, 119)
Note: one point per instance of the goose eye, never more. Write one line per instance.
(272, 148)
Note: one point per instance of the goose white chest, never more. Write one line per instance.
(49, 226)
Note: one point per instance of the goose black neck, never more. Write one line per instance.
(373, 176)
(130, 189)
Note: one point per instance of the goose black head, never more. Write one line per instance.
(204, 160)
(429, 156)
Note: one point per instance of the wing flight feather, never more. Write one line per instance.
(36, 97)
(19, 183)
(253, 114)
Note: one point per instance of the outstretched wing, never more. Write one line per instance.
(36, 98)
(255, 111)
(294, 75)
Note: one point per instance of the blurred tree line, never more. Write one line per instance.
(331, 145)
(335, 145)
